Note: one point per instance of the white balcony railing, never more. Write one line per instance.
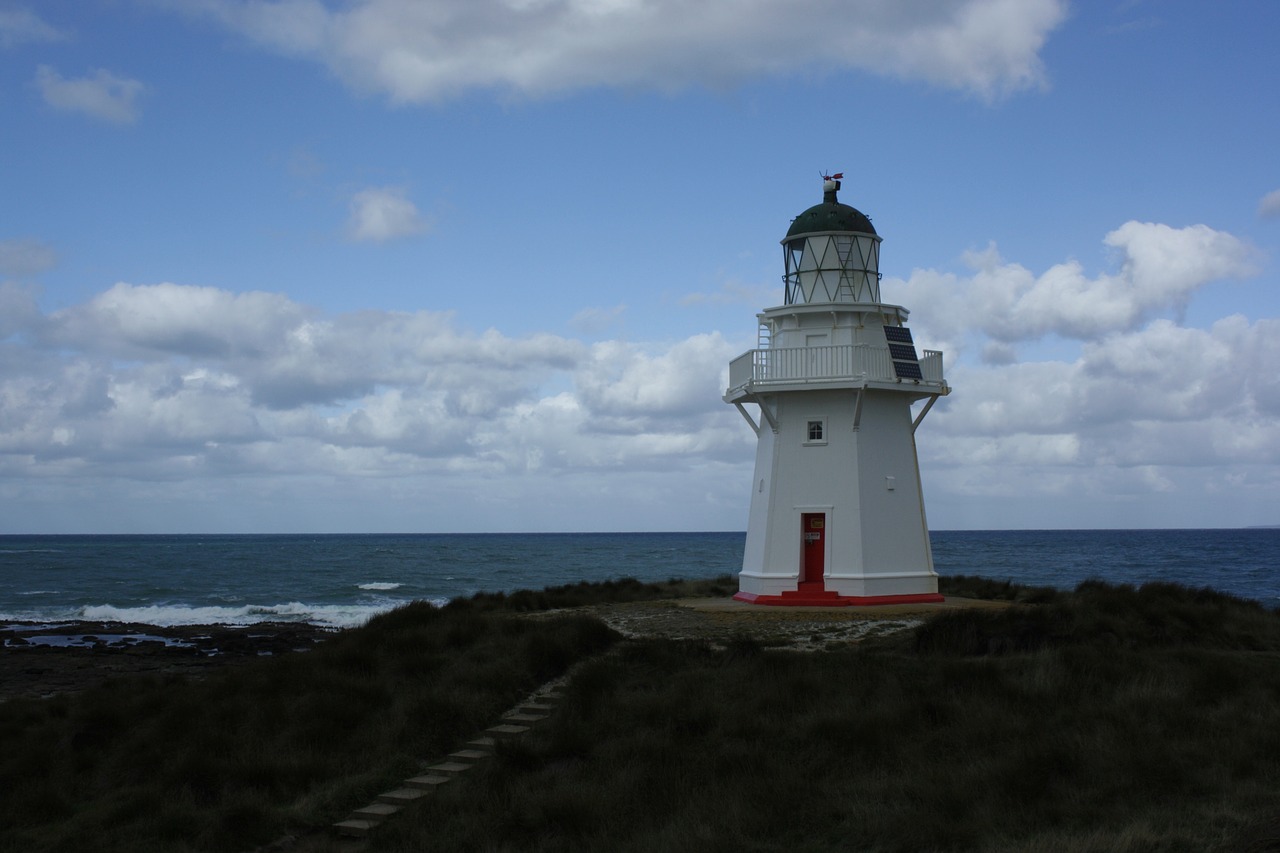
(824, 364)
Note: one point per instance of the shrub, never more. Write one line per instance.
(1156, 615)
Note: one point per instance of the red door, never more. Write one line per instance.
(813, 533)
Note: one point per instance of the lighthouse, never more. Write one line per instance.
(837, 512)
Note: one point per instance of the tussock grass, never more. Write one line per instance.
(1155, 615)
(1109, 718)
(237, 759)
(970, 586)
(618, 591)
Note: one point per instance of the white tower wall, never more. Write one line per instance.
(863, 481)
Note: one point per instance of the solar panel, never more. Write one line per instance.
(903, 351)
(907, 370)
(898, 334)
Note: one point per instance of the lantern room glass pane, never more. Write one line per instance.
(812, 254)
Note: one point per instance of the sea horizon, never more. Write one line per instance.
(343, 579)
(578, 532)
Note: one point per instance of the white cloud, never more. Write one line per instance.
(25, 257)
(104, 95)
(177, 382)
(624, 381)
(186, 390)
(596, 320)
(18, 310)
(177, 321)
(379, 214)
(415, 52)
(1165, 395)
(1159, 268)
(18, 26)
(1269, 206)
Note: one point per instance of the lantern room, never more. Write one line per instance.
(831, 253)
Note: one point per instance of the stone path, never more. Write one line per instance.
(515, 722)
(713, 620)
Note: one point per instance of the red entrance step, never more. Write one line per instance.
(820, 597)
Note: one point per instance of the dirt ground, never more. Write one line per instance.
(801, 628)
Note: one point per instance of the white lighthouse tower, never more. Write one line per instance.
(837, 514)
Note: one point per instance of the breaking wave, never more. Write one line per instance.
(330, 615)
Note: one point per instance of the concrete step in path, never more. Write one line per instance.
(505, 731)
(450, 768)
(427, 783)
(521, 719)
(514, 723)
(402, 796)
(536, 708)
(482, 744)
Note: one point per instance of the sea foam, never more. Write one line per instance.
(332, 615)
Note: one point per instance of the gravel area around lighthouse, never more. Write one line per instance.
(720, 621)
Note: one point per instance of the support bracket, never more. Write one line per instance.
(923, 412)
(768, 415)
(755, 427)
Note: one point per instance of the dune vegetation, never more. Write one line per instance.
(1108, 718)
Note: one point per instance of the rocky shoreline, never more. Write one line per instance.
(42, 660)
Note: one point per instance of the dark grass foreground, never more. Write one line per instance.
(1105, 719)
(1108, 719)
(239, 758)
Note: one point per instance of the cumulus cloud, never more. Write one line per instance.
(25, 257)
(170, 320)
(416, 52)
(192, 385)
(380, 214)
(191, 388)
(1159, 268)
(18, 26)
(173, 356)
(595, 320)
(1164, 395)
(622, 382)
(1269, 206)
(103, 95)
(18, 310)
(1123, 413)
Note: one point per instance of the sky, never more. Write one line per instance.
(481, 265)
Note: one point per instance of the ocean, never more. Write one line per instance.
(343, 580)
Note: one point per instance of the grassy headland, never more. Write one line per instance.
(236, 759)
(1104, 719)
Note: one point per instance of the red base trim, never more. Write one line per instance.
(798, 598)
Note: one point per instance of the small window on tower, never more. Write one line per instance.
(816, 432)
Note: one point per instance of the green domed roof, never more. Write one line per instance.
(830, 216)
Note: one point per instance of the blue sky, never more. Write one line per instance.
(480, 265)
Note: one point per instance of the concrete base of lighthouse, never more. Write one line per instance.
(826, 598)
(912, 588)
